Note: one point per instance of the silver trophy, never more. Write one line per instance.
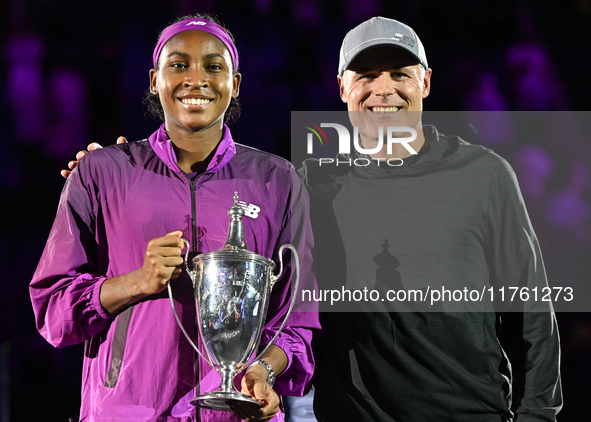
(232, 287)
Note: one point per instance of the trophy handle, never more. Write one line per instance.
(176, 315)
(190, 272)
(274, 278)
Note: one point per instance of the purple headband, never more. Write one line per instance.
(200, 25)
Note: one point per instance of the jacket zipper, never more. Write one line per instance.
(192, 183)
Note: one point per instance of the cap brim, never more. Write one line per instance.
(376, 44)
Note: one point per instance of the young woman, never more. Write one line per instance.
(116, 243)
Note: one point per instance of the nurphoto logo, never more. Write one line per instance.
(392, 135)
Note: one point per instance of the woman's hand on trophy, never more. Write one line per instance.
(91, 147)
(163, 261)
(254, 383)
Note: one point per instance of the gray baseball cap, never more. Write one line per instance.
(380, 32)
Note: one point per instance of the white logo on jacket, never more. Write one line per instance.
(250, 210)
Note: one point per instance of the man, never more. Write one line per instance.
(451, 215)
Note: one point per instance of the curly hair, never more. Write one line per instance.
(152, 101)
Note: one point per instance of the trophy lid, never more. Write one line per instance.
(235, 246)
(235, 240)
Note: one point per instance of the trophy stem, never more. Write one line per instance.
(227, 384)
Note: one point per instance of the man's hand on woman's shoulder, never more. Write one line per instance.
(91, 147)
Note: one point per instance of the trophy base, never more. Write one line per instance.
(219, 400)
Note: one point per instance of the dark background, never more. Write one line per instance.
(73, 72)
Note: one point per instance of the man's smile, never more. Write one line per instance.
(382, 110)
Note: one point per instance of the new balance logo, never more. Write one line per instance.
(250, 210)
(196, 23)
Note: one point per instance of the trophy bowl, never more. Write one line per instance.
(232, 287)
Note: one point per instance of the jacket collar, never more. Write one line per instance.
(162, 146)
